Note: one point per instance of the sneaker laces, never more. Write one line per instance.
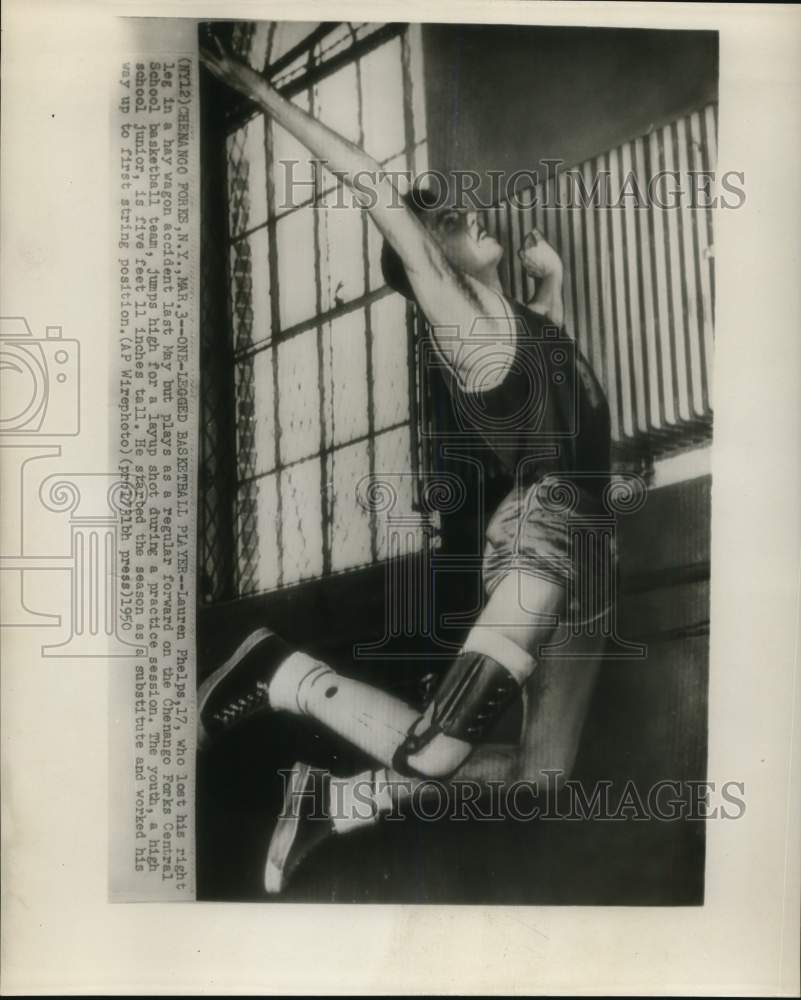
(234, 710)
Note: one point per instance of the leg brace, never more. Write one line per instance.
(485, 677)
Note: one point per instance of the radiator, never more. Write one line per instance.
(639, 278)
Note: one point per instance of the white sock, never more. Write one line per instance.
(286, 688)
(359, 801)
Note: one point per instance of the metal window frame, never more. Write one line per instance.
(235, 116)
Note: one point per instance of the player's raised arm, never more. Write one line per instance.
(447, 296)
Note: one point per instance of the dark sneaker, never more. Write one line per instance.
(237, 690)
(304, 823)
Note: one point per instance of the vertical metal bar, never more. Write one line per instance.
(618, 340)
(661, 284)
(582, 322)
(222, 374)
(702, 247)
(499, 211)
(688, 282)
(326, 452)
(368, 329)
(645, 252)
(414, 331)
(711, 147)
(415, 325)
(594, 280)
(633, 280)
(525, 225)
(567, 254)
(548, 226)
(510, 252)
(410, 139)
(677, 324)
(608, 305)
(275, 323)
(623, 332)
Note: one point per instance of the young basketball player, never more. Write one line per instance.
(547, 423)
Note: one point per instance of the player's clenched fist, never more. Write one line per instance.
(538, 257)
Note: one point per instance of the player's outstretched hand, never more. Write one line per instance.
(216, 58)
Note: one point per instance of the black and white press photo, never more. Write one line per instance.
(399, 550)
(457, 320)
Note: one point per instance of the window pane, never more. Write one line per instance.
(350, 536)
(250, 290)
(345, 365)
(259, 564)
(337, 41)
(258, 46)
(393, 458)
(336, 102)
(255, 414)
(269, 563)
(299, 397)
(287, 35)
(296, 285)
(293, 71)
(245, 419)
(382, 101)
(390, 361)
(247, 179)
(393, 464)
(247, 538)
(291, 165)
(341, 251)
(301, 521)
(415, 43)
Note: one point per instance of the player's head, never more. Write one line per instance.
(459, 231)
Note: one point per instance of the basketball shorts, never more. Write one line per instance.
(572, 544)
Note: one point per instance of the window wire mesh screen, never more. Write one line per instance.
(639, 278)
(321, 350)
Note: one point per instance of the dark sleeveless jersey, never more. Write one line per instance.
(548, 415)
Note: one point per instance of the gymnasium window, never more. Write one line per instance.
(317, 370)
